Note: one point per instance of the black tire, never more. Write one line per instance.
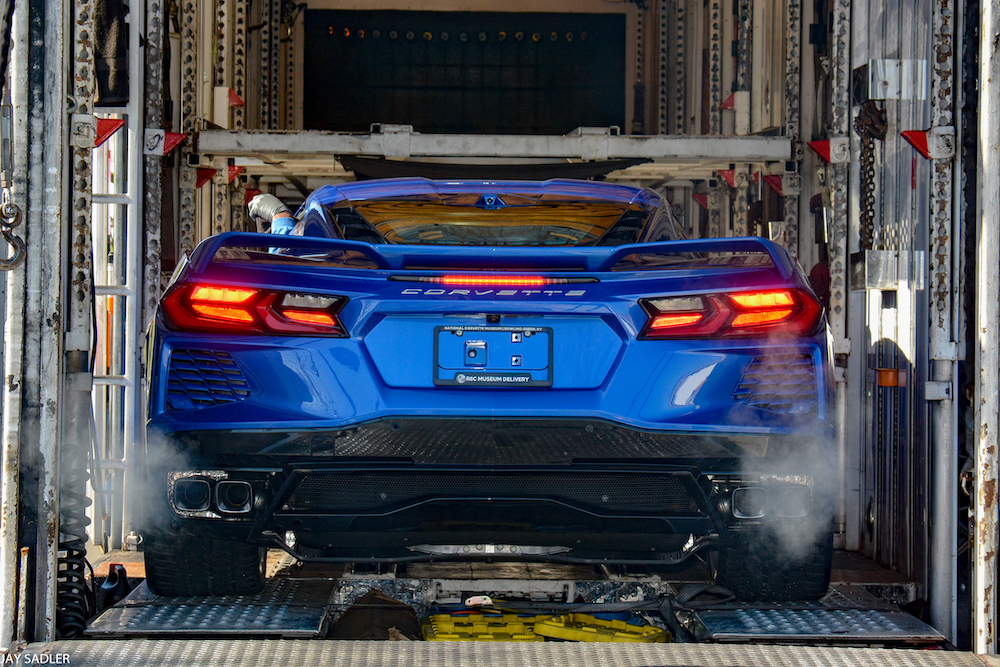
(181, 565)
(756, 567)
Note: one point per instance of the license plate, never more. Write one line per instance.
(493, 356)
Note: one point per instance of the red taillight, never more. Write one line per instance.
(241, 310)
(307, 317)
(221, 294)
(778, 312)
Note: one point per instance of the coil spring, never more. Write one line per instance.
(73, 596)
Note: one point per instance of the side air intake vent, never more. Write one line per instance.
(784, 383)
(204, 378)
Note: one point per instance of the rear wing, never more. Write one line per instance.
(575, 258)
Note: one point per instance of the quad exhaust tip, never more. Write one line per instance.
(787, 502)
(196, 493)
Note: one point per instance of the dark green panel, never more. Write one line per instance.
(443, 72)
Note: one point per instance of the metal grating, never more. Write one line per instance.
(784, 383)
(839, 625)
(204, 378)
(285, 608)
(240, 652)
(519, 442)
(601, 492)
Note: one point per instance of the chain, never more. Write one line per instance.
(10, 217)
(870, 125)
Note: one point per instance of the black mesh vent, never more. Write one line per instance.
(784, 383)
(204, 378)
(602, 493)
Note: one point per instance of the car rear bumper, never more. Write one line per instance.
(386, 490)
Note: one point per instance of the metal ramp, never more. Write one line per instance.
(847, 615)
(302, 603)
(294, 608)
(241, 652)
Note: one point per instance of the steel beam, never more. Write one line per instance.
(44, 92)
(680, 68)
(640, 68)
(741, 202)
(189, 111)
(944, 297)
(402, 142)
(793, 116)
(987, 399)
(714, 66)
(155, 44)
(14, 335)
(239, 60)
(838, 182)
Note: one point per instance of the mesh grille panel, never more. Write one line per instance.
(519, 442)
(616, 493)
(204, 378)
(784, 383)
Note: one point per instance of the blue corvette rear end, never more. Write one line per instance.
(440, 370)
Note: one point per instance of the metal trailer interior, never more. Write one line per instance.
(727, 104)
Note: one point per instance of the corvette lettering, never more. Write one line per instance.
(416, 291)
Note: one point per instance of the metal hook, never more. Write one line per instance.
(11, 214)
(19, 255)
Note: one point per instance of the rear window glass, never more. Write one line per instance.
(496, 220)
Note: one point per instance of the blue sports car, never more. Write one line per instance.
(539, 370)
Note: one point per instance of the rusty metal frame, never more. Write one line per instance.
(838, 181)
(680, 74)
(221, 215)
(153, 195)
(222, 30)
(274, 74)
(239, 81)
(793, 117)
(945, 232)
(640, 56)
(264, 21)
(662, 62)
(288, 67)
(12, 562)
(985, 542)
(741, 202)
(744, 30)
(43, 49)
(715, 67)
(189, 81)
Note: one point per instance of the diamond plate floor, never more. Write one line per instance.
(285, 608)
(241, 652)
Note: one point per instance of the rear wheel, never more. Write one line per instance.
(182, 565)
(776, 564)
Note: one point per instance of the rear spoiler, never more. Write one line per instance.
(575, 258)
